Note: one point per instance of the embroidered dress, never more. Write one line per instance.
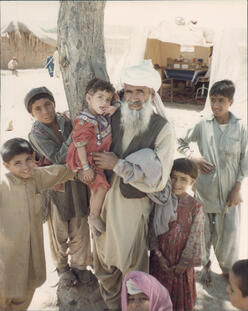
(183, 245)
(93, 132)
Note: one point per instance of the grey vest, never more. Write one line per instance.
(145, 140)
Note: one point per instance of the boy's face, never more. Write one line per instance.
(99, 101)
(180, 183)
(235, 293)
(43, 110)
(21, 165)
(220, 105)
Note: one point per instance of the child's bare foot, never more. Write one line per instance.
(95, 221)
(206, 278)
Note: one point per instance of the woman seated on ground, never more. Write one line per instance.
(142, 292)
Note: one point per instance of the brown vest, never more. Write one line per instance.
(145, 140)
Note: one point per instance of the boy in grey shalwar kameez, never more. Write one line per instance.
(222, 142)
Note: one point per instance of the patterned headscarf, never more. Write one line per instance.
(158, 295)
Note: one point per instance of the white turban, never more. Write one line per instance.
(132, 288)
(142, 75)
(145, 75)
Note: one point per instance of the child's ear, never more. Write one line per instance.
(6, 164)
(192, 181)
(33, 155)
(88, 98)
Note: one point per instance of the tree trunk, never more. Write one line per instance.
(82, 58)
(81, 48)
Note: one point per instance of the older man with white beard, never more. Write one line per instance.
(140, 163)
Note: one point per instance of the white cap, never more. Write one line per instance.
(142, 75)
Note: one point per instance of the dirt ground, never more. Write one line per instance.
(13, 90)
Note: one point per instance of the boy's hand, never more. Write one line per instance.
(87, 176)
(204, 166)
(110, 110)
(179, 269)
(234, 197)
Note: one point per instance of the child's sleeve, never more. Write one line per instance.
(48, 148)
(192, 135)
(49, 176)
(243, 167)
(193, 252)
(82, 132)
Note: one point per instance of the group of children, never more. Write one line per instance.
(210, 218)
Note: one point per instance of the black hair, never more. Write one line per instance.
(13, 147)
(185, 166)
(37, 97)
(240, 269)
(96, 84)
(224, 88)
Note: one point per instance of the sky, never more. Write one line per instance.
(134, 12)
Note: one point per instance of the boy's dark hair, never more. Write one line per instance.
(96, 84)
(13, 147)
(224, 88)
(240, 269)
(35, 94)
(185, 166)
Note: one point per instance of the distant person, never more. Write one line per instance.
(142, 292)
(56, 63)
(222, 141)
(50, 65)
(179, 249)
(22, 257)
(238, 285)
(12, 65)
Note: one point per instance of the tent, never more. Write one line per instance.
(157, 22)
(30, 44)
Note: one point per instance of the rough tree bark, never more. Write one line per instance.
(81, 57)
(81, 48)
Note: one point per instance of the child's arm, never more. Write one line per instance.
(234, 197)
(193, 135)
(88, 173)
(114, 107)
(49, 176)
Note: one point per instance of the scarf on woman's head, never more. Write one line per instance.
(158, 295)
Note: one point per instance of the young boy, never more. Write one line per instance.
(22, 258)
(222, 142)
(238, 285)
(67, 204)
(179, 249)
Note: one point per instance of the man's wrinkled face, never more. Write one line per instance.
(136, 96)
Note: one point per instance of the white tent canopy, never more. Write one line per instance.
(183, 34)
(226, 31)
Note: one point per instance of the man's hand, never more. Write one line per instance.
(233, 197)
(204, 166)
(105, 160)
(87, 177)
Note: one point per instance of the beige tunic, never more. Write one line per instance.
(22, 258)
(127, 219)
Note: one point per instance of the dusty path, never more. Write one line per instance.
(13, 90)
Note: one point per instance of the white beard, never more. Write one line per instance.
(134, 122)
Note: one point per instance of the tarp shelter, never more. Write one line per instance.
(30, 44)
(226, 32)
